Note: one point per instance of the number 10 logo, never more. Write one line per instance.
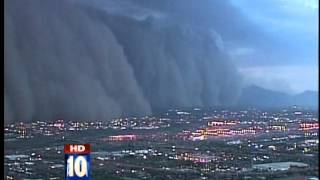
(77, 159)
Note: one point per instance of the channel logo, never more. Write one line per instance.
(77, 161)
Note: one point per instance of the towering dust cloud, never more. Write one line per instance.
(94, 60)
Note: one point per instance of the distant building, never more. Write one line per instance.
(122, 138)
(279, 166)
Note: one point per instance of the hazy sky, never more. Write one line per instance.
(106, 58)
(274, 43)
(288, 61)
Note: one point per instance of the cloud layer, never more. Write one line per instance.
(71, 60)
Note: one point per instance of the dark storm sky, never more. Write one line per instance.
(101, 59)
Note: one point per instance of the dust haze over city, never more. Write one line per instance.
(176, 68)
(100, 59)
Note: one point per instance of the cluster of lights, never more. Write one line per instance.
(129, 137)
(308, 126)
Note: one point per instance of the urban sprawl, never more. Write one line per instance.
(217, 143)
